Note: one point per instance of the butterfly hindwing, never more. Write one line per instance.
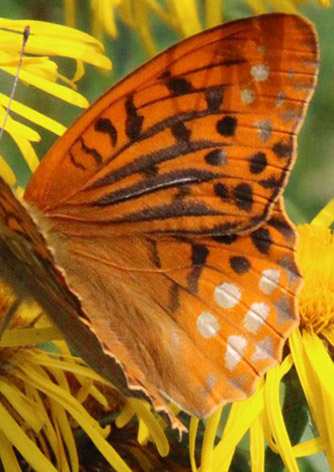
(198, 319)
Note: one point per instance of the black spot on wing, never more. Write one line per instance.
(283, 227)
(262, 240)
(76, 163)
(217, 157)
(180, 131)
(178, 85)
(214, 97)
(227, 126)
(134, 122)
(257, 163)
(104, 125)
(282, 149)
(165, 74)
(224, 229)
(91, 152)
(271, 183)
(221, 190)
(227, 239)
(243, 194)
(174, 297)
(183, 191)
(240, 264)
(151, 171)
(199, 254)
(193, 279)
(154, 253)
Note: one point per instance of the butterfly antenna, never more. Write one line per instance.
(26, 33)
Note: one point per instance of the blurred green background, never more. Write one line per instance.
(312, 182)
(311, 185)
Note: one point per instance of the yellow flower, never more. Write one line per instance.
(311, 345)
(40, 407)
(184, 16)
(39, 70)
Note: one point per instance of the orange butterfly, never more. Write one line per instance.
(153, 232)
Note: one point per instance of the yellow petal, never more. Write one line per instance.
(65, 434)
(52, 88)
(143, 411)
(16, 129)
(160, 12)
(103, 16)
(143, 435)
(312, 446)
(213, 13)
(48, 360)
(6, 173)
(325, 3)
(326, 216)
(26, 447)
(7, 455)
(192, 442)
(79, 71)
(20, 403)
(258, 6)
(29, 336)
(125, 416)
(187, 16)
(45, 28)
(67, 48)
(84, 390)
(27, 151)
(209, 440)
(70, 12)
(323, 369)
(140, 17)
(48, 428)
(284, 5)
(274, 414)
(316, 373)
(329, 335)
(78, 412)
(257, 449)
(33, 115)
(126, 13)
(241, 417)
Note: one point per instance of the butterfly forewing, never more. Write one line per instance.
(164, 214)
(198, 141)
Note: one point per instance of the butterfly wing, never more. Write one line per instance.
(28, 267)
(202, 319)
(198, 141)
(145, 192)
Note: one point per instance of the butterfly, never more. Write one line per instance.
(153, 233)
